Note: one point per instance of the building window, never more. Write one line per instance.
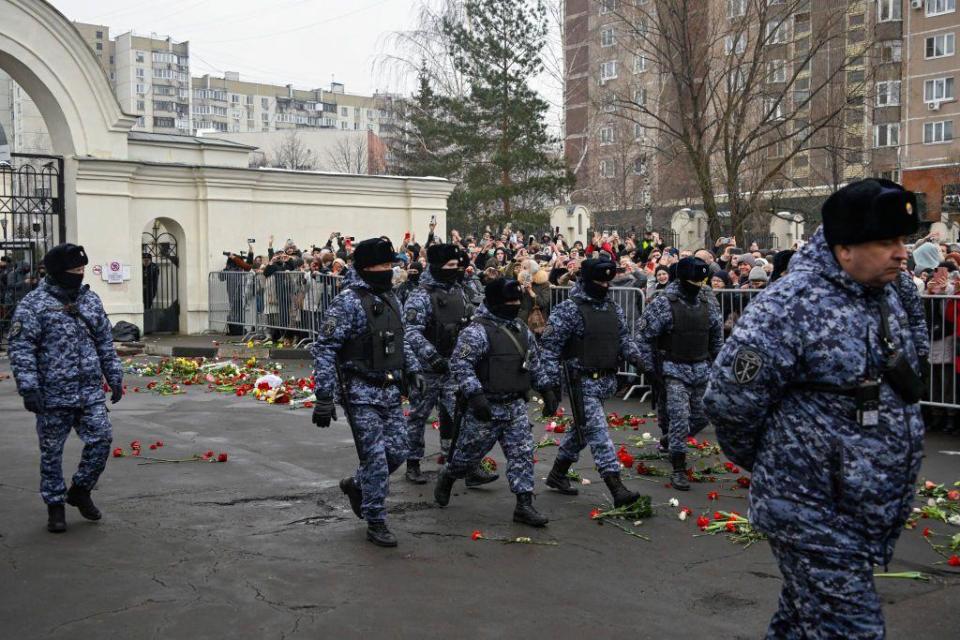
(777, 71)
(889, 10)
(139, 56)
(344, 111)
(941, 46)
(855, 20)
(607, 39)
(640, 97)
(639, 64)
(166, 123)
(141, 89)
(99, 46)
(735, 44)
(801, 23)
(886, 135)
(856, 76)
(234, 98)
(939, 7)
(736, 8)
(370, 114)
(891, 51)
(801, 160)
(888, 93)
(606, 135)
(607, 169)
(140, 106)
(609, 6)
(264, 103)
(608, 70)
(893, 175)
(938, 132)
(938, 90)
(639, 167)
(801, 92)
(776, 32)
(140, 121)
(140, 72)
(773, 108)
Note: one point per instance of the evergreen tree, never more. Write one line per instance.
(499, 129)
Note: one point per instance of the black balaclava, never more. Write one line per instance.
(370, 253)
(593, 272)
(62, 257)
(414, 278)
(691, 273)
(498, 294)
(439, 255)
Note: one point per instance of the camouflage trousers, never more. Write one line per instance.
(685, 414)
(53, 426)
(596, 436)
(439, 392)
(825, 597)
(382, 435)
(511, 428)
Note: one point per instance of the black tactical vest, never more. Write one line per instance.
(448, 316)
(689, 341)
(380, 347)
(505, 368)
(599, 348)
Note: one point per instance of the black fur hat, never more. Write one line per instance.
(692, 269)
(65, 256)
(441, 254)
(868, 210)
(373, 252)
(601, 270)
(501, 291)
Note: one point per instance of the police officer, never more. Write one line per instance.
(61, 349)
(496, 364)
(434, 315)
(681, 331)
(589, 333)
(361, 345)
(816, 392)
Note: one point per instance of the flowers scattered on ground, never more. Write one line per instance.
(732, 525)
(479, 535)
(136, 449)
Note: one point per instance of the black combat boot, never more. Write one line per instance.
(353, 493)
(441, 493)
(557, 479)
(678, 479)
(80, 498)
(480, 476)
(664, 445)
(621, 495)
(524, 513)
(378, 534)
(413, 473)
(56, 518)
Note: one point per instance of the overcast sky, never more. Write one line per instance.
(303, 42)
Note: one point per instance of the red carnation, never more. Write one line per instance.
(691, 441)
(159, 443)
(713, 495)
(476, 535)
(136, 452)
(153, 447)
(954, 561)
(208, 454)
(703, 522)
(263, 386)
(926, 532)
(687, 510)
(717, 515)
(744, 482)
(222, 457)
(118, 453)
(595, 514)
(732, 527)
(135, 444)
(136, 389)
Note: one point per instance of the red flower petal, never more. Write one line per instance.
(222, 457)
(118, 453)
(954, 561)
(713, 495)
(476, 535)
(732, 527)
(703, 522)
(926, 532)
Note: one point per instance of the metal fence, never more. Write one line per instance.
(293, 304)
(287, 305)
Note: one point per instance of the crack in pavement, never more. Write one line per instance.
(108, 612)
(292, 497)
(290, 608)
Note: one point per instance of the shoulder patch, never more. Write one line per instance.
(329, 326)
(464, 350)
(15, 329)
(746, 365)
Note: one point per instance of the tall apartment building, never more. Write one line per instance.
(930, 145)
(229, 104)
(151, 78)
(891, 65)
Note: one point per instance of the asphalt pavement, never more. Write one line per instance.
(265, 545)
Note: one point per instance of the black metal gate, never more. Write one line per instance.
(161, 289)
(31, 222)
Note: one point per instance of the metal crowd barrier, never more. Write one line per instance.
(292, 304)
(287, 304)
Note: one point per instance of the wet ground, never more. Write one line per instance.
(265, 545)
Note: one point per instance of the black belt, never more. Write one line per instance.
(817, 387)
(382, 380)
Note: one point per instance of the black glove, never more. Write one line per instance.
(32, 402)
(551, 402)
(438, 363)
(925, 376)
(415, 382)
(480, 407)
(323, 412)
(116, 393)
